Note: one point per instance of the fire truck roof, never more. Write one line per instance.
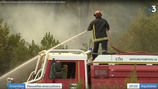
(66, 56)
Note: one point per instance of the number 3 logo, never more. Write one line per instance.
(153, 8)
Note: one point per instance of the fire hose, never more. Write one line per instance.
(112, 44)
(120, 50)
(108, 38)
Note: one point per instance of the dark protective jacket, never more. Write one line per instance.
(99, 26)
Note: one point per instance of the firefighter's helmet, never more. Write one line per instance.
(98, 13)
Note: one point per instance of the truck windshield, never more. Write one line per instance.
(65, 71)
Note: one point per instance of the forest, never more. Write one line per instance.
(14, 50)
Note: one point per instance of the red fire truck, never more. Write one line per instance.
(69, 67)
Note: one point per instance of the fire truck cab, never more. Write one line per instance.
(62, 66)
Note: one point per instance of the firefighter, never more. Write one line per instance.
(99, 26)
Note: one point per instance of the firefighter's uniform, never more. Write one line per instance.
(99, 26)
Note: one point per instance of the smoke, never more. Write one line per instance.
(34, 20)
(64, 20)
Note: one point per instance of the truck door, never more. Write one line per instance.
(64, 72)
